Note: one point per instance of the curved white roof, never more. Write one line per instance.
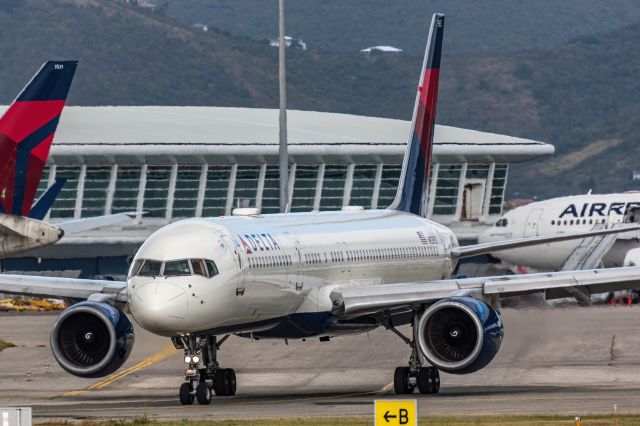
(220, 134)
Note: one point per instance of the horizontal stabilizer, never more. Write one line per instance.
(75, 226)
(44, 203)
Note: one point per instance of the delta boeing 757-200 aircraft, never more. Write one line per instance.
(289, 276)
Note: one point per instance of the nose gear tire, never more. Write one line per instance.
(186, 397)
(203, 394)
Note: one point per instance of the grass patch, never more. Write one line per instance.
(362, 421)
(5, 345)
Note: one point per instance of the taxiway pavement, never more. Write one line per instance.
(570, 361)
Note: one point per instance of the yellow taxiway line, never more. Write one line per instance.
(165, 353)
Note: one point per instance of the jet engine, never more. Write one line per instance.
(92, 339)
(460, 335)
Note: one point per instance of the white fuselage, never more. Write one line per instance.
(562, 216)
(275, 272)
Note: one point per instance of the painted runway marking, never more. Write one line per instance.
(164, 354)
(385, 389)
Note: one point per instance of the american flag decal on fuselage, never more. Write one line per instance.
(423, 239)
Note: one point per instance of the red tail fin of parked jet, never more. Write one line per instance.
(26, 133)
(414, 182)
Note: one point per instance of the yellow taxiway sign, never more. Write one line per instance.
(394, 412)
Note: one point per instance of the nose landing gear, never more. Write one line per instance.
(204, 376)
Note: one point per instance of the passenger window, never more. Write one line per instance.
(198, 267)
(177, 268)
(211, 268)
(150, 268)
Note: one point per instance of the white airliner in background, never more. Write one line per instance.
(563, 215)
(288, 276)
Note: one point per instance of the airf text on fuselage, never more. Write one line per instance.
(596, 209)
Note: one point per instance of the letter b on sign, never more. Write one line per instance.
(403, 416)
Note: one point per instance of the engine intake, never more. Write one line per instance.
(460, 335)
(92, 339)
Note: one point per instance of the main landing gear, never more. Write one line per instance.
(203, 376)
(407, 379)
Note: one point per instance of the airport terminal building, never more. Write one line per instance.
(179, 162)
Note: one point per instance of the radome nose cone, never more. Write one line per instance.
(159, 305)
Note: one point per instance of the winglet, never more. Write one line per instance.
(26, 133)
(414, 180)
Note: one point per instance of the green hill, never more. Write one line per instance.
(582, 96)
(494, 25)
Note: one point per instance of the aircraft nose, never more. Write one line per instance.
(158, 306)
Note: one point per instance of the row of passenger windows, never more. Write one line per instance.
(174, 268)
(273, 261)
(348, 256)
(383, 254)
(577, 222)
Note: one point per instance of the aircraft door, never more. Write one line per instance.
(294, 273)
(239, 263)
(532, 224)
(618, 214)
(632, 213)
(447, 265)
(346, 256)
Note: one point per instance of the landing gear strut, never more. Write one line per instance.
(407, 379)
(203, 376)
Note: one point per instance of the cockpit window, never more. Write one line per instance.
(502, 222)
(177, 268)
(211, 267)
(174, 268)
(198, 267)
(150, 268)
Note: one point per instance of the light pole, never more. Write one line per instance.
(283, 154)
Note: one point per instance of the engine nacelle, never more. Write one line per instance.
(92, 339)
(460, 335)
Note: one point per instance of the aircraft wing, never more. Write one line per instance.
(355, 301)
(476, 249)
(63, 288)
(71, 227)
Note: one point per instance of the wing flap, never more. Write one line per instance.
(369, 299)
(558, 284)
(380, 297)
(27, 285)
